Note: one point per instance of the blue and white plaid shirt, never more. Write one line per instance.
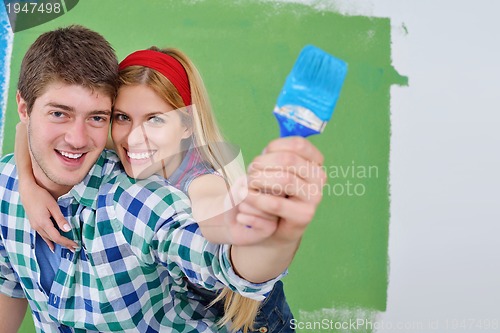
(137, 247)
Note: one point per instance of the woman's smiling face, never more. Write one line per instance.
(147, 132)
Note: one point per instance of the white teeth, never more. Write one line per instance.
(140, 156)
(70, 155)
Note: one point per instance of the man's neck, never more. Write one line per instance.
(56, 190)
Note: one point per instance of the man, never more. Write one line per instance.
(136, 243)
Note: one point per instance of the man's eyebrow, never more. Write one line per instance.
(60, 106)
(104, 112)
(71, 109)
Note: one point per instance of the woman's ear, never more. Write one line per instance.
(188, 131)
(22, 108)
(187, 122)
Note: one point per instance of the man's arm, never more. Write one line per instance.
(285, 181)
(12, 312)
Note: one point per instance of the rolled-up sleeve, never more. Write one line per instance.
(248, 289)
(186, 252)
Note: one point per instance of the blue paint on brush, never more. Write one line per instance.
(310, 93)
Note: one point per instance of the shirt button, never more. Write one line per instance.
(32, 246)
(263, 329)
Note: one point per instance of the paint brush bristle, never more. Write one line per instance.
(311, 91)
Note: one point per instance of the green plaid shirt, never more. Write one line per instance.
(138, 246)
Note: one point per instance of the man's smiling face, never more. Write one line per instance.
(67, 131)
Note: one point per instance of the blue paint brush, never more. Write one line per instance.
(310, 93)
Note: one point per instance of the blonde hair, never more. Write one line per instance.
(238, 310)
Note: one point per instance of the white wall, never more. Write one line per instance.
(444, 243)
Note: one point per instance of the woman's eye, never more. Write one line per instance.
(156, 120)
(120, 117)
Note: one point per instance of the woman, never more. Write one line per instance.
(163, 124)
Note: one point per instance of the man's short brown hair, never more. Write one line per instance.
(72, 55)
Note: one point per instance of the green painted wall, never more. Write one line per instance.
(244, 50)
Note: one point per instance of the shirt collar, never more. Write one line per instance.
(86, 191)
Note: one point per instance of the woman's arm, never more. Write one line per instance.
(40, 206)
(284, 188)
(214, 208)
(285, 181)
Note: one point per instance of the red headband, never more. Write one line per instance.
(167, 65)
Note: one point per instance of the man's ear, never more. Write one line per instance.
(22, 108)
